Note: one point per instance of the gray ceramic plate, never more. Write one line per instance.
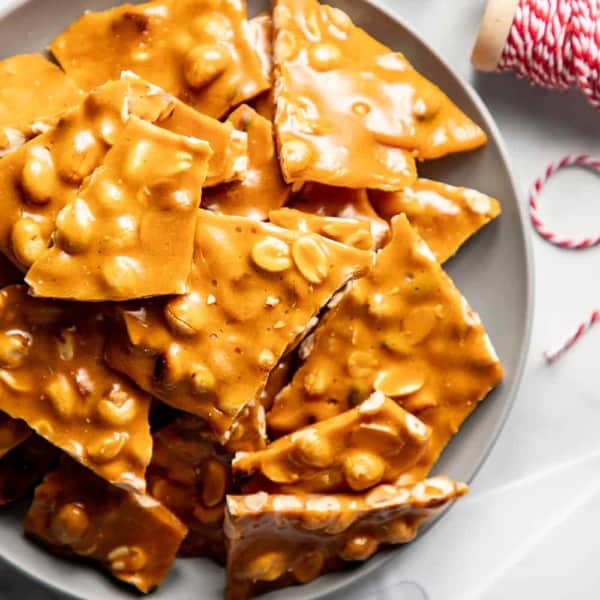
(494, 272)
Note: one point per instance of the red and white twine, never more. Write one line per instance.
(563, 241)
(556, 44)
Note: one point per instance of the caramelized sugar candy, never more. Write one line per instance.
(198, 50)
(261, 37)
(24, 466)
(249, 430)
(12, 433)
(129, 233)
(330, 201)
(278, 540)
(374, 443)
(263, 188)
(53, 377)
(44, 175)
(75, 513)
(190, 475)
(346, 231)
(32, 89)
(338, 89)
(443, 215)
(229, 160)
(403, 330)
(195, 352)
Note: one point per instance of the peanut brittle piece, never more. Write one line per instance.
(344, 203)
(205, 55)
(75, 513)
(403, 330)
(44, 175)
(279, 540)
(254, 291)
(263, 188)
(261, 37)
(374, 443)
(31, 89)
(229, 159)
(52, 376)
(129, 233)
(12, 433)
(443, 215)
(24, 467)
(346, 231)
(350, 112)
(190, 475)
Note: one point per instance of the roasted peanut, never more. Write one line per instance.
(214, 480)
(310, 258)
(205, 63)
(14, 349)
(70, 524)
(27, 241)
(272, 254)
(38, 176)
(363, 470)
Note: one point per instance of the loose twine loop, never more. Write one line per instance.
(556, 44)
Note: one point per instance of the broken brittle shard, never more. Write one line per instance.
(350, 112)
(129, 233)
(374, 443)
(403, 330)
(278, 540)
(75, 513)
(40, 178)
(32, 91)
(190, 474)
(445, 216)
(255, 291)
(262, 188)
(52, 377)
(205, 55)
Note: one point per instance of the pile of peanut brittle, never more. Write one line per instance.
(224, 327)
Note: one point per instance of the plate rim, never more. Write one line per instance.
(378, 561)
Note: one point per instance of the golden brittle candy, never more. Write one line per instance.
(344, 203)
(75, 513)
(374, 443)
(229, 160)
(255, 289)
(24, 466)
(346, 231)
(443, 215)
(403, 330)
(190, 475)
(198, 50)
(44, 175)
(261, 37)
(278, 540)
(129, 233)
(249, 430)
(263, 188)
(52, 376)
(32, 89)
(12, 433)
(349, 111)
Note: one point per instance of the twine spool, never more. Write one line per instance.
(555, 44)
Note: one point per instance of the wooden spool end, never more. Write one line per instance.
(493, 33)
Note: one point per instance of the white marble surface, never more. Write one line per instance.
(529, 527)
